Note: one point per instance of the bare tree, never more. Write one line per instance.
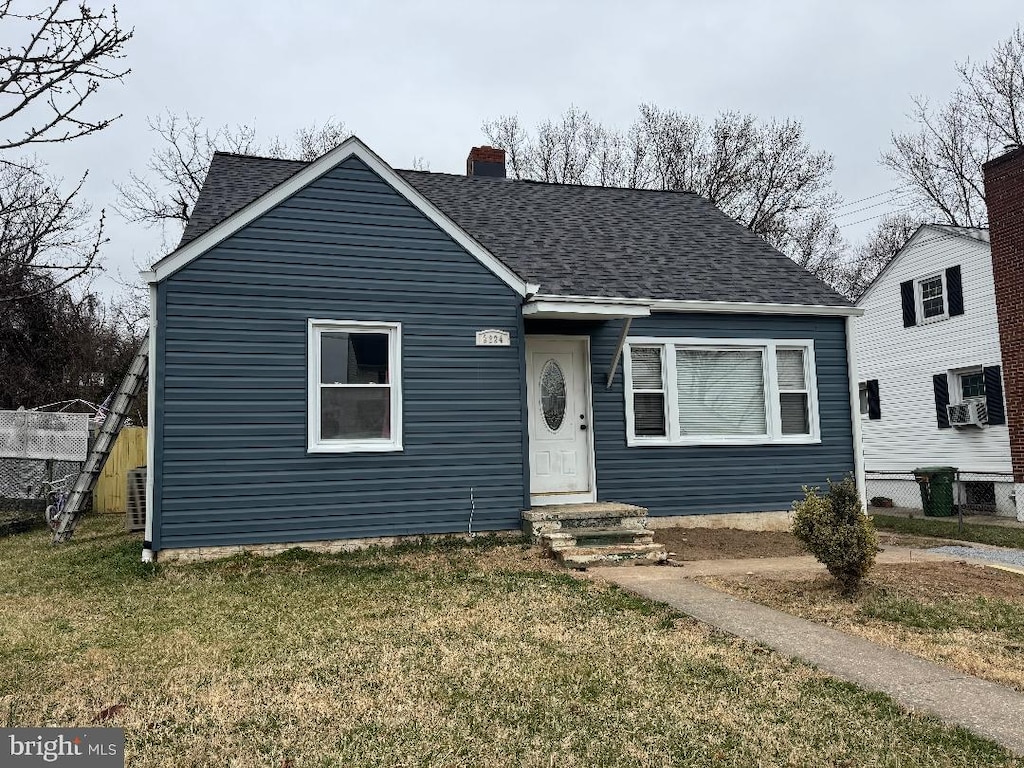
(940, 162)
(165, 194)
(176, 170)
(763, 174)
(45, 82)
(873, 255)
(311, 142)
(42, 230)
(63, 53)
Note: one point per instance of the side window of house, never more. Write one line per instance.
(683, 391)
(354, 398)
(933, 297)
(870, 401)
(969, 397)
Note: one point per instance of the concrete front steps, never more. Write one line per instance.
(602, 533)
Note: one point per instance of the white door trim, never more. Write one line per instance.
(546, 499)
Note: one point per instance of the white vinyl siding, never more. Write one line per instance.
(904, 360)
(721, 391)
(354, 398)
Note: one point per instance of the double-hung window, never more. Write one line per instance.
(355, 387)
(648, 391)
(931, 293)
(720, 391)
(972, 384)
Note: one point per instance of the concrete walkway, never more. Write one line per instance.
(985, 708)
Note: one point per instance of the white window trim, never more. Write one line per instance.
(631, 415)
(314, 444)
(956, 386)
(919, 298)
(771, 389)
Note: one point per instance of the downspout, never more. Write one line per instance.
(148, 556)
(858, 445)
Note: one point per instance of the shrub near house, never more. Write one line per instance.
(837, 532)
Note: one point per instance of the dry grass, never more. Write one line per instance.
(454, 655)
(967, 617)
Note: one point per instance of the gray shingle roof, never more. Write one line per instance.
(572, 240)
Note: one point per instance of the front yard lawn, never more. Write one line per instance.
(967, 617)
(478, 655)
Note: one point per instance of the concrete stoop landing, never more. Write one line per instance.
(601, 533)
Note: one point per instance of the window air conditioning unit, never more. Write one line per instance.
(970, 414)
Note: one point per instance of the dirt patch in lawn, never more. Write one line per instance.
(727, 543)
(967, 617)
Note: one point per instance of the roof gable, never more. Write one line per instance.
(288, 181)
(973, 234)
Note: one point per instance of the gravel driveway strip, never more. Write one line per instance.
(1007, 556)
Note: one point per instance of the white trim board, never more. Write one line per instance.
(671, 305)
(316, 444)
(569, 310)
(351, 147)
(151, 467)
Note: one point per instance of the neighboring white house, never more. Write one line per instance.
(929, 370)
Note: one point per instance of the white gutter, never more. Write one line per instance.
(858, 444)
(148, 556)
(733, 307)
(543, 307)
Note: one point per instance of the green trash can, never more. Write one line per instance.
(936, 485)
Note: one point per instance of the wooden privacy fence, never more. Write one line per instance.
(128, 452)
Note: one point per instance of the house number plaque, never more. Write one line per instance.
(492, 338)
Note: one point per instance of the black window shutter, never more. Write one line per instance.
(874, 404)
(954, 291)
(940, 382)
(994, 395)
(909, 312)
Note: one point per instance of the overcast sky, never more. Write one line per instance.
(418, 79)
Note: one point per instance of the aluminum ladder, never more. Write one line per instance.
(129, 389)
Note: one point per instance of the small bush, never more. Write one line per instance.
(837, 532)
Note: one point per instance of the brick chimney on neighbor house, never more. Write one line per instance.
(486, 161)
(1004, 194)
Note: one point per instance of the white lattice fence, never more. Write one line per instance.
(44, 435)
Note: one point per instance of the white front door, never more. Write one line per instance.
(558, 388)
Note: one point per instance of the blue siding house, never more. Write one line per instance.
(341, 350)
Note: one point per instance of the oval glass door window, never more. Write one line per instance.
(552, 395)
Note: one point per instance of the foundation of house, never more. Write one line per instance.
(744, 521)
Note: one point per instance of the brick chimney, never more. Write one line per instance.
(1004, 194)
(486, 161)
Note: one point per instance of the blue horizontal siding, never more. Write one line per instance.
(231, 380)
(687, 480)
